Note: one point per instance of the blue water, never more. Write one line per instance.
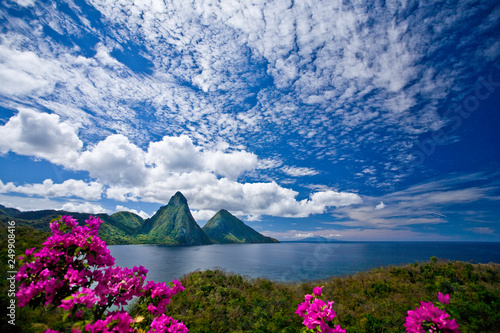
(294, 261)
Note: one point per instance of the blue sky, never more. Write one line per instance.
(351, 120)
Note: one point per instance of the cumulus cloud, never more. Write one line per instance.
(41, 135)
(203, 214)
(69, 188)
(206, 192)
(85, 207)
(207, 176)
(115, 161)
(174, 154)
(231, 164)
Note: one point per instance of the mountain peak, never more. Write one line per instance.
(224, 227)
(177, 200)
(225, 213)
(174, 224)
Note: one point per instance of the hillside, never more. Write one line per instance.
(116, 229)
(173, 224)
(226, 228)
(373, 301)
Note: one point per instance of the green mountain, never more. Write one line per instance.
(173, 224)
(226, 228)
(119, 228)
(8, 211)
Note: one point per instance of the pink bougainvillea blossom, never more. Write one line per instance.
(74, 270)
(316, 312)
(429, 318)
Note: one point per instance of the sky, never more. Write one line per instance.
(351, 120)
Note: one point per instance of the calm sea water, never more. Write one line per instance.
(293, 261)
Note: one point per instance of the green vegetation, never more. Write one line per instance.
(27, 320)
(373, 301)
(172, 224)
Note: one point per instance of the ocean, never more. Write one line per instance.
(294, 262)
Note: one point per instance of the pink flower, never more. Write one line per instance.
(316, 312)
(74, 269)
(430, 314)
(164, 324)
(318, 291)
(444, 299)
(86, 297)
(115, 322)
(337, 329)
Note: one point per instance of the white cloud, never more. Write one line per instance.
(299, 171)
(173, 164)
(335, 199)
(69, 188)
(29, 203)
(34, 203)
(203, 214)
(174, 154)
(268, 163)
(41, 135)
(205, 191)
(85, 207)
(305, 235)
(115, 161)
(231, 164)
(25, 3)
(23, 72)
(482, 230)
(426, 203)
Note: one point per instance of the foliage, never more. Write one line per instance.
(225, 228)
(430, 318)
(26, 238)
(374, 301)
(74, 271)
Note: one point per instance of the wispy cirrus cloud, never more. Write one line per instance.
(244, 73)
(227, 100)
(425, 204)
(299, 171)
